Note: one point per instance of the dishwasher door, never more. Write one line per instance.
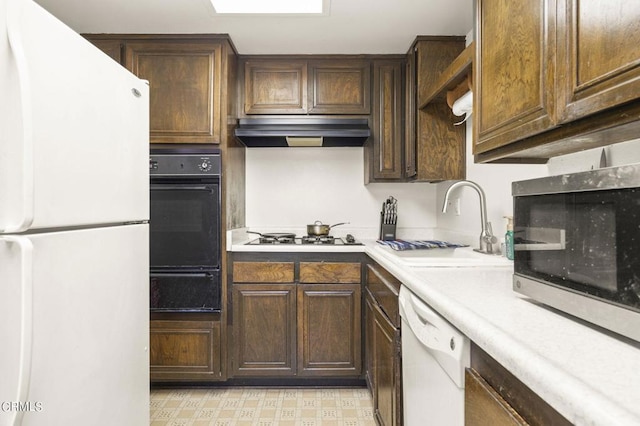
(434, 357)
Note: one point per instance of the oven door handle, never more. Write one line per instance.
(181, 274)
(181, 188)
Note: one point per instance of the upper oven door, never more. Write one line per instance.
(184, 225)
(583, 241)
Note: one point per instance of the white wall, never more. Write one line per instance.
(288, 188)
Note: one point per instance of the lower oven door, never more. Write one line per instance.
(185, 292)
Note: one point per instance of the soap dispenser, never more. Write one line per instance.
(508, 238)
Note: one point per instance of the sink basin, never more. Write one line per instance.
(443, 257)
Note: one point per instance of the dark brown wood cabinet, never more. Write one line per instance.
(339, 86)
(184, 85)
(185, 349)
(435, 147)
(275, 87)
(598, 58)
(189, 80)
(383, 358)
(495, 397)
(384, 151)
(296, 317)
(298, 85)
(264, 329)
(554, 77)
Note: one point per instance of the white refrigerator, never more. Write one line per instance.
(74, 210)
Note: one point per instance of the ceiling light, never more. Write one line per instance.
(306, 7)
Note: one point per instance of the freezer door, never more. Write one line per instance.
(75, 330)
(75, 128)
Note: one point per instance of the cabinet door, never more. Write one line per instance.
(264, 329)
(369, 366)
(339, 87)
(275, 87)
(514, 77)
(329, 330)
(387, 121)
(387, 371)
(184, 84)
(598, 55)
(185, 350)
(483, 406)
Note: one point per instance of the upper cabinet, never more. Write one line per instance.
(187, 82)
(554, 77)
(339, 87)
(435, 146)
(275, 87)
(297, 85)
(598, 55)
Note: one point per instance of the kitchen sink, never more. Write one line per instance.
(443, 257)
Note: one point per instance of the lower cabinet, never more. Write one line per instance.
(383, 358)
(494, 397)
(296, 318)
(185, 350)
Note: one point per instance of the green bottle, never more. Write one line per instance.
(508, 238)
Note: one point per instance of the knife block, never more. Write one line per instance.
(387, 231)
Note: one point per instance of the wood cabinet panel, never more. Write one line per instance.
(598, 55)
(484, 406)
(184, 84)
(185, 350)
(514, 77)
(387, 160)
(387, 370)
(263, 272)
(330, 272)
(385, 289)
(329, 330)
(275, 87)
(383, 356)
(516, 395)
(339, 87)
(264, 318)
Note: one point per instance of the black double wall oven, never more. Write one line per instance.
(185, 231)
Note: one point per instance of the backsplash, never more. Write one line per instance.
(289, 188)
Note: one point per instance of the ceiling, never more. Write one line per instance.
(352, 27)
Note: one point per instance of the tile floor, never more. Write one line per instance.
(262, 407)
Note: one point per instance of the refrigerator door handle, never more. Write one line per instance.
(14, 12)
(25, 248)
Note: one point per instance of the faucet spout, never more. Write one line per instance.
(487, 239)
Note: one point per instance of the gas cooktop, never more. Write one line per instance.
(290, 239)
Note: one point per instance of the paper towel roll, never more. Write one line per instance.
(464, 104)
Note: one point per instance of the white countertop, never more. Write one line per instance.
(587, 375)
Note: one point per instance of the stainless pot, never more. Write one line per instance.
(319, 229)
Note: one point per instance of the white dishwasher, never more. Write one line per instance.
(434, 357)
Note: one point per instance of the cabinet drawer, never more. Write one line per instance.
(263, 272)
(384, 288)
(330, 272)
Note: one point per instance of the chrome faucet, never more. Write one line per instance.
(487, 239)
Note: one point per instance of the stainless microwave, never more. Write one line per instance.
(577, 245)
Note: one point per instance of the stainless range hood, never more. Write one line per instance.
(302, 131)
